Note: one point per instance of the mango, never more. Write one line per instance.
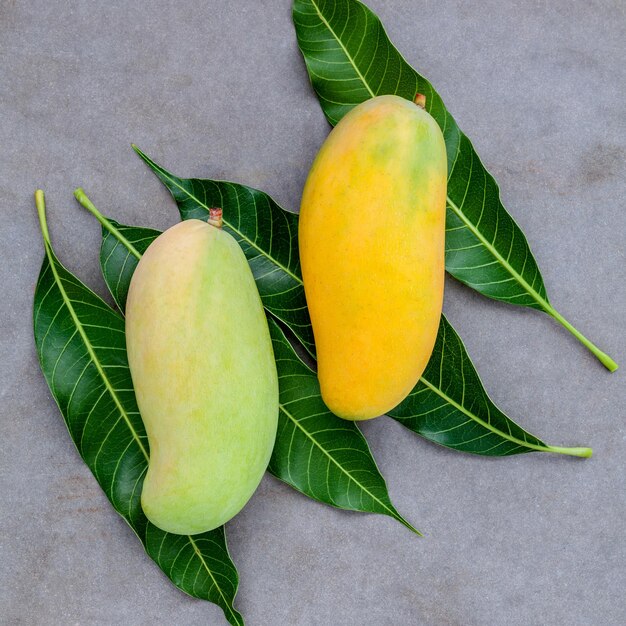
(203, 369)
(371, 237)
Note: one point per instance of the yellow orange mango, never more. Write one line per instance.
(371, 237)
(204, 374)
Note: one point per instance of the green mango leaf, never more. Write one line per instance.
(448, 405)
(82, 351)
(350, 59)
(120, 259)
(317, 453)
(264, 231)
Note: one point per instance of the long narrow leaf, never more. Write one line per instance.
(82, 350)
(350, 59)
(448, 405)
(316, 452)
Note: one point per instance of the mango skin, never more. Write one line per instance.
(371, 236)
(203, 369)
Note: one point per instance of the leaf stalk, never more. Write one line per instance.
(84, 201)
(604, 358)
(40, 203)
(584, 453)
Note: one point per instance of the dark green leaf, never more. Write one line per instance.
(350, 59)
(448, 406)
(265, 232)
(317, 453)
(82, 350)
(123, 265)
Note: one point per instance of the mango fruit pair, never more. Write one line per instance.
(203, 369)
(371, 233)
(371, 236)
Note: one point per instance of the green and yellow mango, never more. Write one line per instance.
(203, 369)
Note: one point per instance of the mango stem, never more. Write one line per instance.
(215, 217)
(420, 100)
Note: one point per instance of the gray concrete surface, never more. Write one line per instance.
(218, 89)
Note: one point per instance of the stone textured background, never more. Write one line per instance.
(218, 89)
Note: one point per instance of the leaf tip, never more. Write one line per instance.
(142, 155)
(138, 150)
(408, 525)
(415, 531)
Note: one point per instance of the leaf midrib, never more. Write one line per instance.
(391, 512)
(345, 50)
(483, 423)
(518, 277)
(91, 351)
(209, 571)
